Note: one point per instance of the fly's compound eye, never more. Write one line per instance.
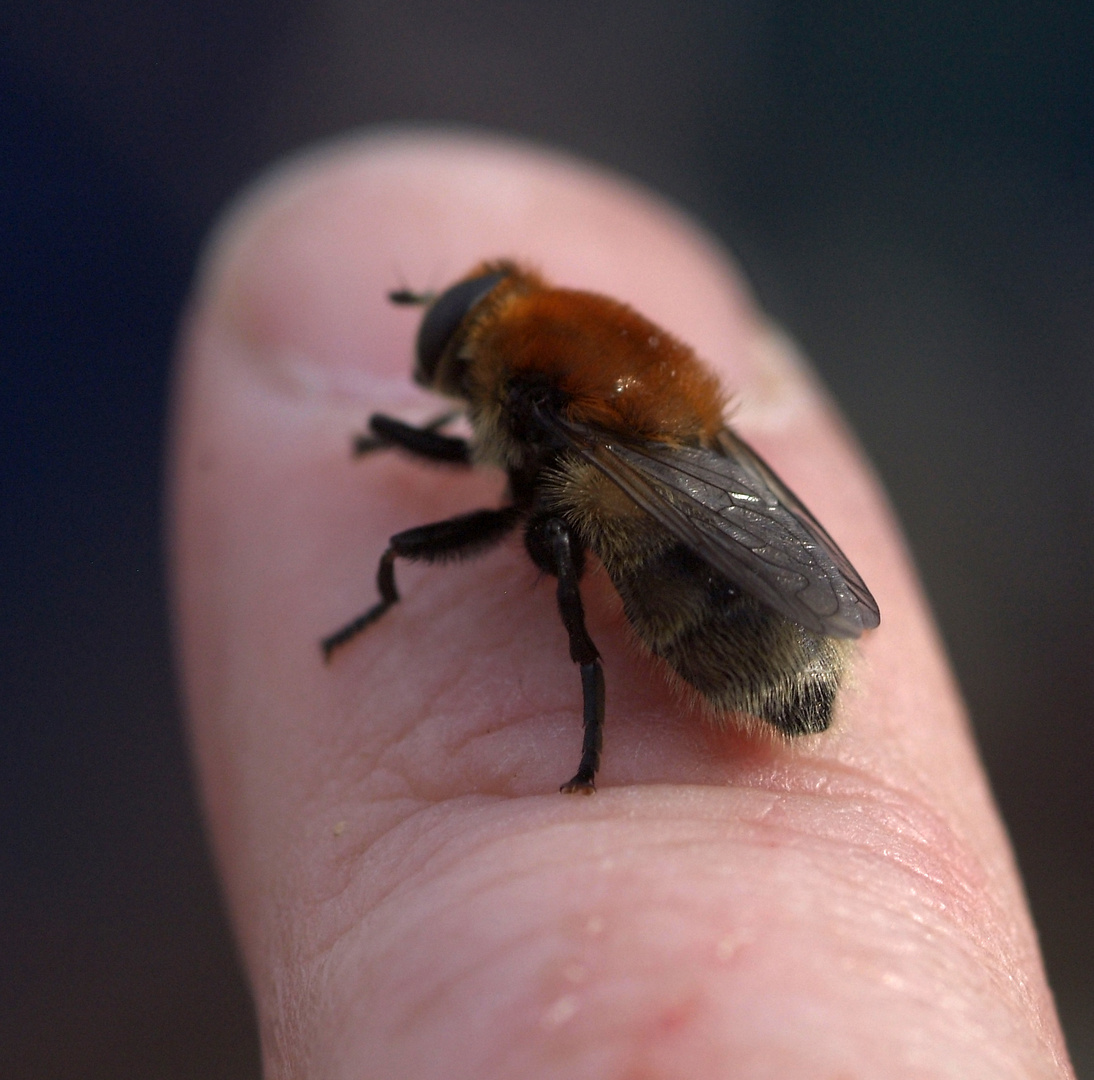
(443, 319)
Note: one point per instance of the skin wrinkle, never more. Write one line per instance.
(434, 698)
(437, 996)
(456, 595)
(482, 890)
(439, 867)
(435, 787)
(759, 828)
(376, 653)
(436, 993)
(900, 806)
(965, 883)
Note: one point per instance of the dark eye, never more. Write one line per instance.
(443, 319)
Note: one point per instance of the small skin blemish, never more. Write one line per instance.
(730, 945)
(559, 1012)
(594, 925)
(339, 828)
(893, 981)
(676, 1018)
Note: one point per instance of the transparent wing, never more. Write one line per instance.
(731, 509)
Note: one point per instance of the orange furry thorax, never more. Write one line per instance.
(617, 370)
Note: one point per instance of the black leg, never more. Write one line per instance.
(425, 441)
(458, 538)
(385, 581)
(553, 547)
(592, 692)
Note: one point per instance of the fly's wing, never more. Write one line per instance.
(735, 514)
(737, 448)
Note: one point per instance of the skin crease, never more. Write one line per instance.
(411, 894)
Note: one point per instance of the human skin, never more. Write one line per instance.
(412, 895)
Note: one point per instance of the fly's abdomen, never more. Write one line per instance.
(736, 654)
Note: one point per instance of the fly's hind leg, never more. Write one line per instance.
(458, 538)
(556, 550)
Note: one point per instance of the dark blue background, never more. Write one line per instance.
(908, 185)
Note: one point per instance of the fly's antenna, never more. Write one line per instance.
(409, 298)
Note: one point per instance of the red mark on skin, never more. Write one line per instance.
(675, 1019)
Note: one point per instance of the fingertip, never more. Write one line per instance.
(303, 263)
(280, 534)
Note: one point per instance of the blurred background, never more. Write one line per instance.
(909, 187)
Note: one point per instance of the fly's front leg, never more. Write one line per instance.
(426, 441)
(554, 548)
(458, 538)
